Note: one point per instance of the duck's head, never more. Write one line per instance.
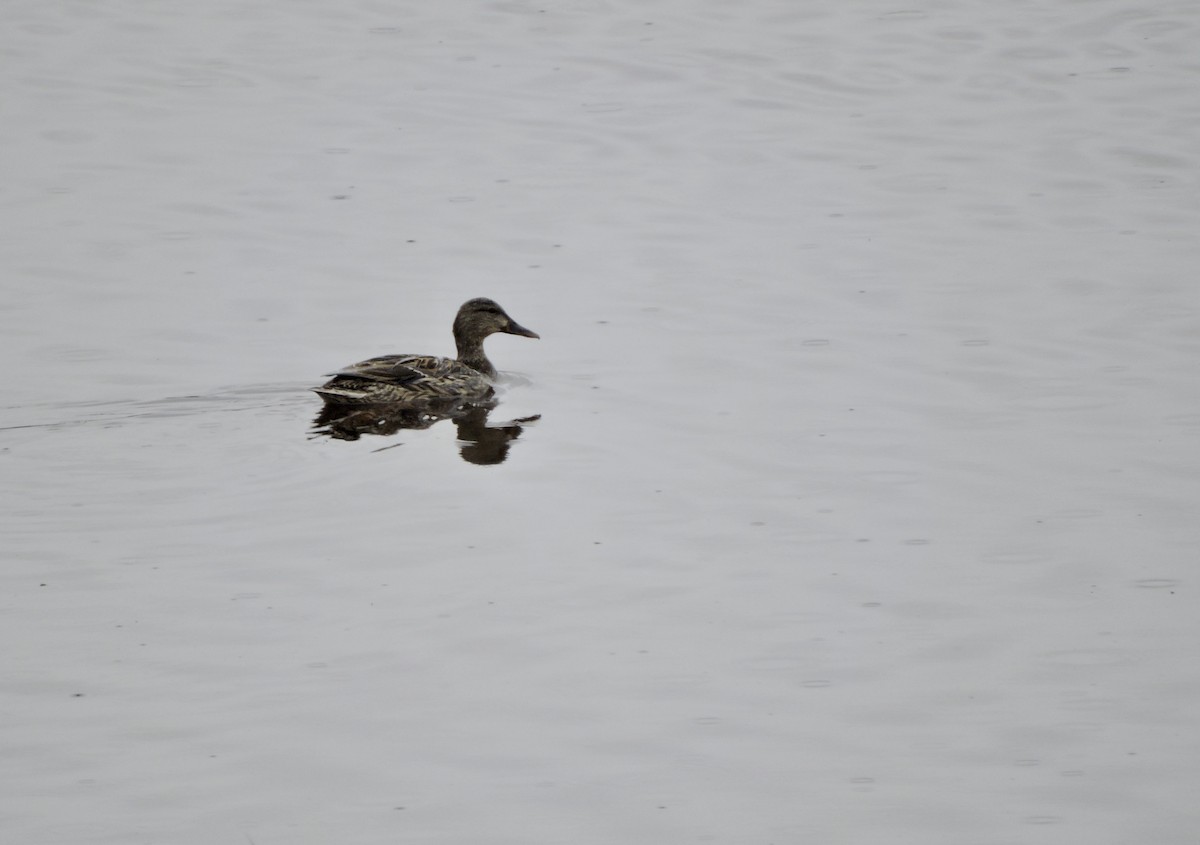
(481, 317)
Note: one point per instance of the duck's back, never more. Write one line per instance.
(418, 380)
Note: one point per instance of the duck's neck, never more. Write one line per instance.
(470, 352)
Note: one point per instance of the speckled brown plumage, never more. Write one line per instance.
(428, 381)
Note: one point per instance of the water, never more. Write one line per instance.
(860, 503)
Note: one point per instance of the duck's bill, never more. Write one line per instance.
(517, 328)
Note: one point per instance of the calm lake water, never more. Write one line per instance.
(860, 507)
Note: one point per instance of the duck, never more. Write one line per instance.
(430, 381)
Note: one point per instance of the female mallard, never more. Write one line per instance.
(421, 381)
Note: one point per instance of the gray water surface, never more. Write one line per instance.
(862, 496)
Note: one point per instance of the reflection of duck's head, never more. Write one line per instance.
(476, 319)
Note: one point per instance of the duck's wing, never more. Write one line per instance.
(396, 369)
(414, 380)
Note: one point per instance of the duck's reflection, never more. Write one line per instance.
(480, 441)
